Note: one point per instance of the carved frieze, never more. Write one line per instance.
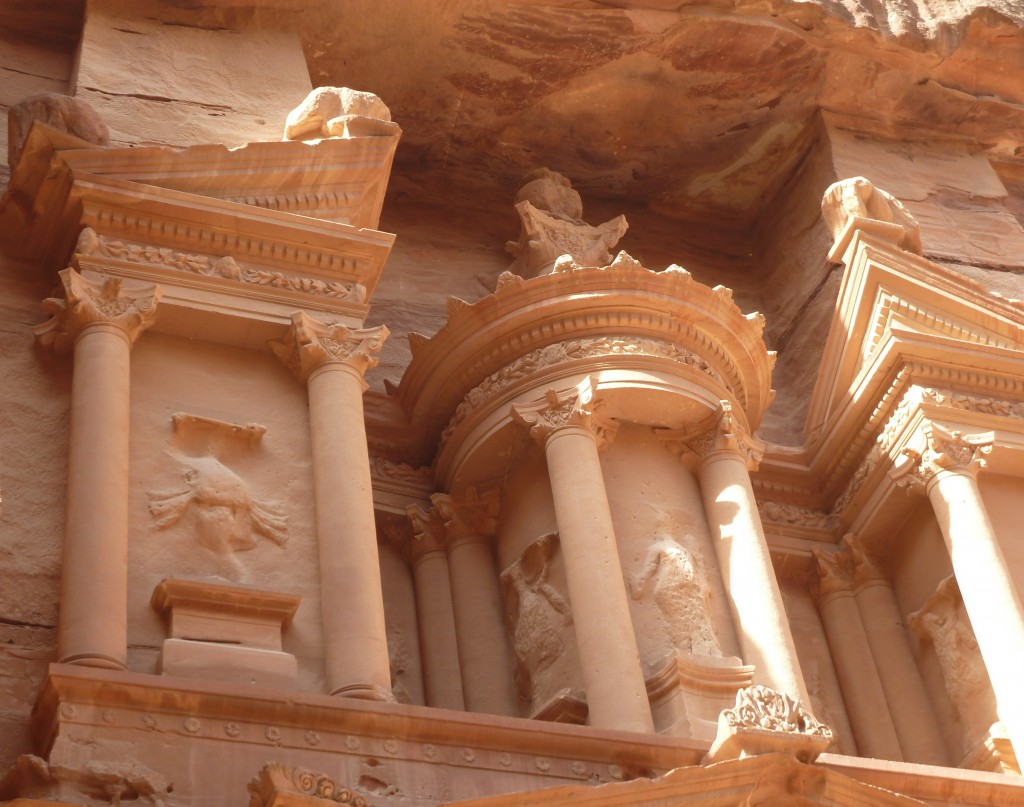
(94, 299)
(226, 268)
(310, 344)
(795, 515)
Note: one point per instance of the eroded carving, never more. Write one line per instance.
(93, 299)
(62, 112)
(472, 514)
(226, 517)
(537, 616)
(339, 112)
(673, 577)
(858, 198)
(277, 778)
(92, 243)
(781, 513)
(32, 777)
(551, 225)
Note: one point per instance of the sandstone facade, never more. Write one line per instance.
(312, 493)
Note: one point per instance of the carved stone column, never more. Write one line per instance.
(484, 653)
(726, 455)
(612, 673)
(100, 319)
(866, 704)
(947, 472)
(332, 359)
(911, 709)
(442, 676)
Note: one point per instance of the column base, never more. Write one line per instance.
(94, 660)
(364, 692)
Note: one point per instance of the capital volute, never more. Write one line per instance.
(428, 532)
(559, 410)
(97, 300)
(835, 571)
(311, 344)
(471, 515)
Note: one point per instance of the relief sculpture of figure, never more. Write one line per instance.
(537, 614)
(227, 517)
(680, 592)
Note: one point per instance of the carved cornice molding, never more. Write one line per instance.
(311, 344)
(128, 306)
(564, 354)
(473, 514)
(91, 243)
(558, 410)
(277, 781)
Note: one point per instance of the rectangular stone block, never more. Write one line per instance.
(228, 663)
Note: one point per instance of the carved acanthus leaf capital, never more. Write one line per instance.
(727, 434)
(310, 344)
(835, 568)
(471, 515)
(866, 568)
(557, 410)
(428, 532)
(944, 451)
(129, 306)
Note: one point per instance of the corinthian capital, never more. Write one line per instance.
(835, 568)
(472, 515)
(310, 344)
(728, 434)
(127, 305)
(944, 451)
(428, 532)
(558, 410)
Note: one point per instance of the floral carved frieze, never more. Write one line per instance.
(564, 352)
(92, 243)
(796, 516)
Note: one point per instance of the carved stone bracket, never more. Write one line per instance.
(562, 409)
(96, 300)
(472, 515)
(766, 721)
(310, 344)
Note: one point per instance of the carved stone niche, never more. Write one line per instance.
(688, 692)
(225, 632)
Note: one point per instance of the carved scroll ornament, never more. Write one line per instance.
(276, 778)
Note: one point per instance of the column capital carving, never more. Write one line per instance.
(561, 409)
(472, 515)
(428, 532)
(835, 571)
(945, 451)
(866, 569)
(311, 344)
(727, 435)
(95, 300)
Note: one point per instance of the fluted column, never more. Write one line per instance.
(331, 360)
(947, 472)
(99, 319)
(911, 709)
(484, 652)
(726, 454)
(442, 676)
(612, 674)
(866, 704)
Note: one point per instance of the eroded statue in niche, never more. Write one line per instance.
(227, 518)
(537, 615)
(943, 622)
(673, 578)
(552, 225)
(857, 197)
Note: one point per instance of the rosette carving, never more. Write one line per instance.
(310, 344)
(91, 300)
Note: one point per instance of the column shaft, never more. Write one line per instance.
(909, 705)
(754, 595)
(866, 705)
(442, 677)
(94, 580)
(612, 673)
(356, 650)
(484, 653)
(988, 590)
